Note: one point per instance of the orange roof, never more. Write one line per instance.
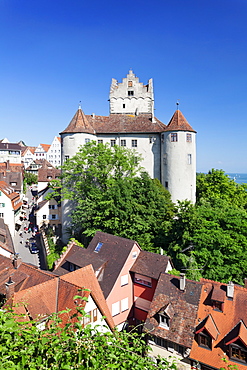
(79, 123)
(45, 147)
(58, 294)
(224, 321)
(178, 123)
(241, 334)
(210, 327)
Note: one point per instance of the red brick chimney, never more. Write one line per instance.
(10, 288)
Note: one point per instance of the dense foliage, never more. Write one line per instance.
(216, 229)
(24, 346)
(110, 192)
(31, 178)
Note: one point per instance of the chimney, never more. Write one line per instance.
(182, 281)
(245, 282)
(16, 261)
(10, 288)
(230, 289)
(93, 115)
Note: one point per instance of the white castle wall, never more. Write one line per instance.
(179, 166)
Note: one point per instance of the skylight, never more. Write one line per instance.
(98, 247)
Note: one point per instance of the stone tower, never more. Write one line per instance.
(179, 158)
(131, 96)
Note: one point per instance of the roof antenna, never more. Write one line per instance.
(177, 104)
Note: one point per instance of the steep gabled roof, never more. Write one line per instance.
(178, 123)
(55, 295)
(230, 321)
(209, 325)
(79, 123)
(109, 258)
(45, 147)
(150, 264)
(184, 306)
(6, 241)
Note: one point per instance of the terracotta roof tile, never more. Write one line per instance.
(226, 321)
(178, 123)
(150, 264)
(79, 123)
(184, 305)
(115, 123)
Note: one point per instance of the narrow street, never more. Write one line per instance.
(21, 239)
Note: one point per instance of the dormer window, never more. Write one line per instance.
(238, 352)
(98, 247)
(217, 306)
(164, 320)
(204, 340)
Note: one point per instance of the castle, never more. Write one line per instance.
(168, 151)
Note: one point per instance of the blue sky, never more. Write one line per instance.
(56, 53)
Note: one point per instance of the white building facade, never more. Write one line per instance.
(168, 151)
(54, 152)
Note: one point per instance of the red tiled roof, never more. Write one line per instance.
(178, 123)
(45, 147)
(114, 123)
(79, 123)
(226, 322)
(210, 327)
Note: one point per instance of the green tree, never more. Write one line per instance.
(111, 193)
(30, 178)
(24, 346)
(216, 226)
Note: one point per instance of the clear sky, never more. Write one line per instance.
(54, 54)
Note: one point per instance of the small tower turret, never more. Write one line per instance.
(179, 158)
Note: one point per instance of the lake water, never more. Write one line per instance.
(239, 178)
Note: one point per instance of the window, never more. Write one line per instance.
(124, 304)
(238, 352)
(165, 158)
(143, 280)
(98, 247)
(100, 141)
(2, 215)
(123, 105)
(218, 306)
(87, 319)
(134, 143)
(188, 138)
(130, 83)
(124, 280)
(204, 340)
(95, 314)
(174, 136)
(87, 140)
(53, 217)
(164, 321)
(134, 255)
(44, 217)
(166, 184)
(113, 142)
(2, 205)
(123, 142)
(115, 309)
(66, 157)
(13, 183)
(52, 206)
(131, 93)
(71, 267)
(189, 158)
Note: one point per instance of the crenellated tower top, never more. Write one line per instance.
(130, 96)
